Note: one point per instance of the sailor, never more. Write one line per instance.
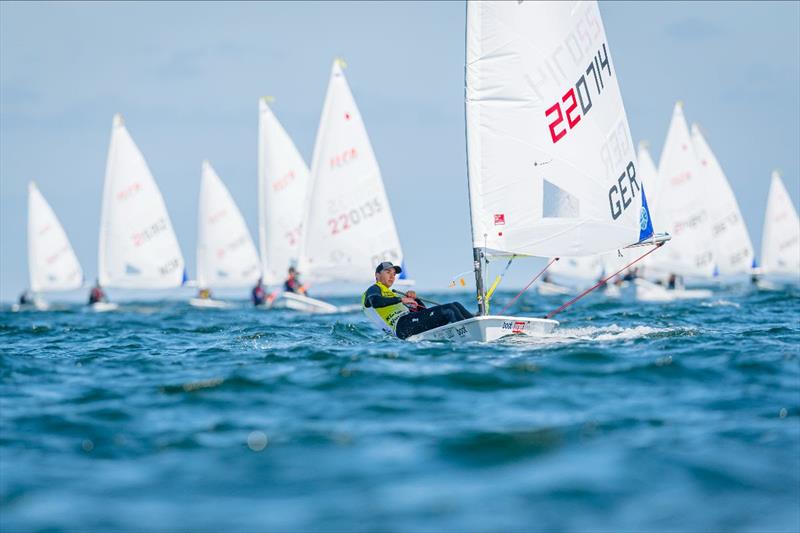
(258, 294)
(97, 295)
(204, 294)
(26, 298)
(293, 284)
(404, 315)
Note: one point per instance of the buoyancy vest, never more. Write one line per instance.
(384, 317)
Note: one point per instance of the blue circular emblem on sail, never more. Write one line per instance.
(643, 219)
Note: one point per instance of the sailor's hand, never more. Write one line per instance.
(411, 294)
(408, 301)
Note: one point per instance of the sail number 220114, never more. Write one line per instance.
(355, 216)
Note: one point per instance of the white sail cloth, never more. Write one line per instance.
(348, 227)
(52, 264)
(780, 242)
(226, 255)
(282, 187)
(681, 205)
(733, 250)
(552, 167)
(137, 247)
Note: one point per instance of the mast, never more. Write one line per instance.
(476, 252)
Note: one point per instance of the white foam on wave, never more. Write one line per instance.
(612, 333)
(720, 303)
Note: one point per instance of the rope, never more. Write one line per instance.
(553, 260)
(399, 293)
(601, 282)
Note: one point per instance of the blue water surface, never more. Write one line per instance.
(631, 417)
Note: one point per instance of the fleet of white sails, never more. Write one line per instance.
(552, 172)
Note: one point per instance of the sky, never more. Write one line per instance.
(187, 78)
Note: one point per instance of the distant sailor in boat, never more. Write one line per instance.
(26, 298)
(204, 294)
(404, 315)
(259, 294)
(97, 295)
(293, 284)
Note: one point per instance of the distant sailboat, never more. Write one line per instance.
(138, 248)
(733, 250)
(780, 242)
(551, 165)
(681, 204)
(52, 264)
(282, 184)
(226, 255)
(348, 227)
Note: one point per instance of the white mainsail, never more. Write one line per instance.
(780, 242)
(282, 187)
(348, 226)
(681, 205)
(226, 255)
(52, 264)
(552, 167)
(137, 248)
(648, 173)
(733, 251)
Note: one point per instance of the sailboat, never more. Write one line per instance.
(780, 241)
(551, 164)
(138, 248)
(283, 178)
(733, 250)
(681, 204)
(52, 264)
(226, 255)
(348, 227)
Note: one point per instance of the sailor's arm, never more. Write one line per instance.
(375, 299)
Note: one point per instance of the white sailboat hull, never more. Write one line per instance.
(652, 292)
(37, 305)
(102, 307)
(304, 304)
(487, 329)
(547, 288)
(207, 303)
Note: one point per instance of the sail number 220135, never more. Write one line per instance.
(580, 93)
(355, 216)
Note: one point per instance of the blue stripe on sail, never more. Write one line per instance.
(715, 274)
(645, 221)
(404, 273)
(755, 263)
(185, 277)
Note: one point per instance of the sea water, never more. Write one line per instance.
(631, 417)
